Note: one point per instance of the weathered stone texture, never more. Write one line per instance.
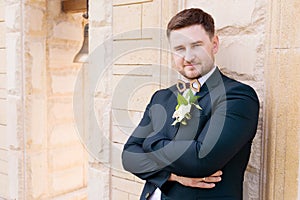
(99, 178)
(126, 19)
(40, 43)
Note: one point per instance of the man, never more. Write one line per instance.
(187, 161)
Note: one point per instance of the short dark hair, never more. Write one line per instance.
(192, 16)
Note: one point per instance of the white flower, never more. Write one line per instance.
(183, 108)
(181, 112)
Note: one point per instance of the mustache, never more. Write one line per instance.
(191, 63)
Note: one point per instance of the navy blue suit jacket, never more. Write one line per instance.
(218, 137)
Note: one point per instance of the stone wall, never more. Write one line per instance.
(3, 106)
(41, 154)
(282, 127)
(45, 157)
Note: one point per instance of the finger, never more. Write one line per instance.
(218, 173)
(212, 179)
(204, 185)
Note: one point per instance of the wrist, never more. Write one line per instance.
(173, 177)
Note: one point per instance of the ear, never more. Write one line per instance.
(215, 42)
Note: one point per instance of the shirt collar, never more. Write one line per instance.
(204, 78)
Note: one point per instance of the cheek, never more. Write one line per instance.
(177, 59)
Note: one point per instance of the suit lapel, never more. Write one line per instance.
(212, 82)
(172, 102)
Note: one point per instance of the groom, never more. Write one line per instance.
(186, 161)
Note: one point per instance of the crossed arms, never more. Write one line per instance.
(153, 156)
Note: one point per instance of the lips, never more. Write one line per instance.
(189, 66)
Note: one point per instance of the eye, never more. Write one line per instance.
(197, 45)
(178, 49)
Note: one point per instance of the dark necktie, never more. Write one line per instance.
(193, 85)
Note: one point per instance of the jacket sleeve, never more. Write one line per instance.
(232, 125)
(135, 160)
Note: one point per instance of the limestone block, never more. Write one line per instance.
(132, 90)
(3, 113)
(239, 53)
(3, 81)
(125, 118)
(102, 112)
(120, 134)
(251, 186)
(3, 61)
(80, 194)
(238, 13)
(149, 19)
(61, 109)
(3, 139)
(60, 56)
(15, 174)
(3, 166)
(37, 134)
(3, 93)
(15, 123)
(66, 30)
(63, 82)
(36, 53)
(134, 197)
(256, 151)
(126, 185)
(136, 52)
(40, 3)
(127, 19)
(2, 34)
(63, 135)
(100, 12)
(122, 174)
(102, 40)
(122, 2)
(37, 171)
(117, 194)
(54, 8)
(115, 156)
(14, 78)
(13, 16)
(289, 33)
(36, 20)
(138, 100)
(4, 189)
(99, 183)
(66, 157)
(138, 70)
(67, 180)
(2, 10)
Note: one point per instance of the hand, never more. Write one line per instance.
(207, 182)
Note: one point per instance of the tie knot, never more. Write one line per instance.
(193, 85)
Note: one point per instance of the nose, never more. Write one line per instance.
(189, 55)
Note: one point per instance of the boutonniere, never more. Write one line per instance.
(184, 105)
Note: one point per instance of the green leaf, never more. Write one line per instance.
(183, 122)
(197, 106)
(190, 94)
(194, 99)
(181, 100)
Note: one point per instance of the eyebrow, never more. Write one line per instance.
(193, 43)
(197, 42)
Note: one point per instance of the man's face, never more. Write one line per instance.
(193, 51)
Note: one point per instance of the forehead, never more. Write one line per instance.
(188, 34)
